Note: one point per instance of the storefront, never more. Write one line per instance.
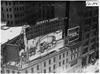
(84, 61)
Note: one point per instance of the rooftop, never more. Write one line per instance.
(8, 33)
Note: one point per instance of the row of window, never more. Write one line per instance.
(8, 9)
(74, 50)
(18, 2)
(10, 22)
(49, 61)
(18, 8)
(74, 56)
(8, 71)
(16, 22)
(6, 2)
(20, 21)
(54, 59)
(9, 15)
(10, 2)
(16, 15)
(19, 15)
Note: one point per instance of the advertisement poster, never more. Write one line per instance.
(45, 44)
(73, 34)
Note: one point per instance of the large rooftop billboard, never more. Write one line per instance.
(42, 45)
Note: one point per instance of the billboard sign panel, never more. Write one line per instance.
(73, 34)
(44, 44)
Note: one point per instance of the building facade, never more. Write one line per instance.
(90, 34)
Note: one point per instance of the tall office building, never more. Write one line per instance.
(18, 13)
(13, 13)
(90, 37)
(56, 45)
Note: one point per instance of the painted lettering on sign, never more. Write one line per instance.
(44, 21)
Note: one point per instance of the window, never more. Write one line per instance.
(7, 15)
(77, 54)
(8, 22)
(26, 71)
(66, 53)
(86, 43)
(7, 9)
(17, 9)
(87, 29)
(15, 15)
(2, 8)
(7, 71)
(49, 61)
(32, 70)
(88, 13)
(92, 40)
(86, 36)
(49, 69)
(74, 56)
(63, 62)
(20, 8)
(59, 56)
(54, 59)
(23, 14)
(11, 22)
(95, 12)
(37, 67)
(95, 19)
(6, 2)
(85, 50)
(59, 64)
(66, 66)
(13, 71)
(16, 22)
(54, 66)
(44, 70)
(94, 26)
(10, 16)
(10, 9)
(44, 64)
(23, 8)
(88, 21)
(18, 72)
(2, 15)
(63, 55)
(71, 57)
(92, 46)
(66, 60)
